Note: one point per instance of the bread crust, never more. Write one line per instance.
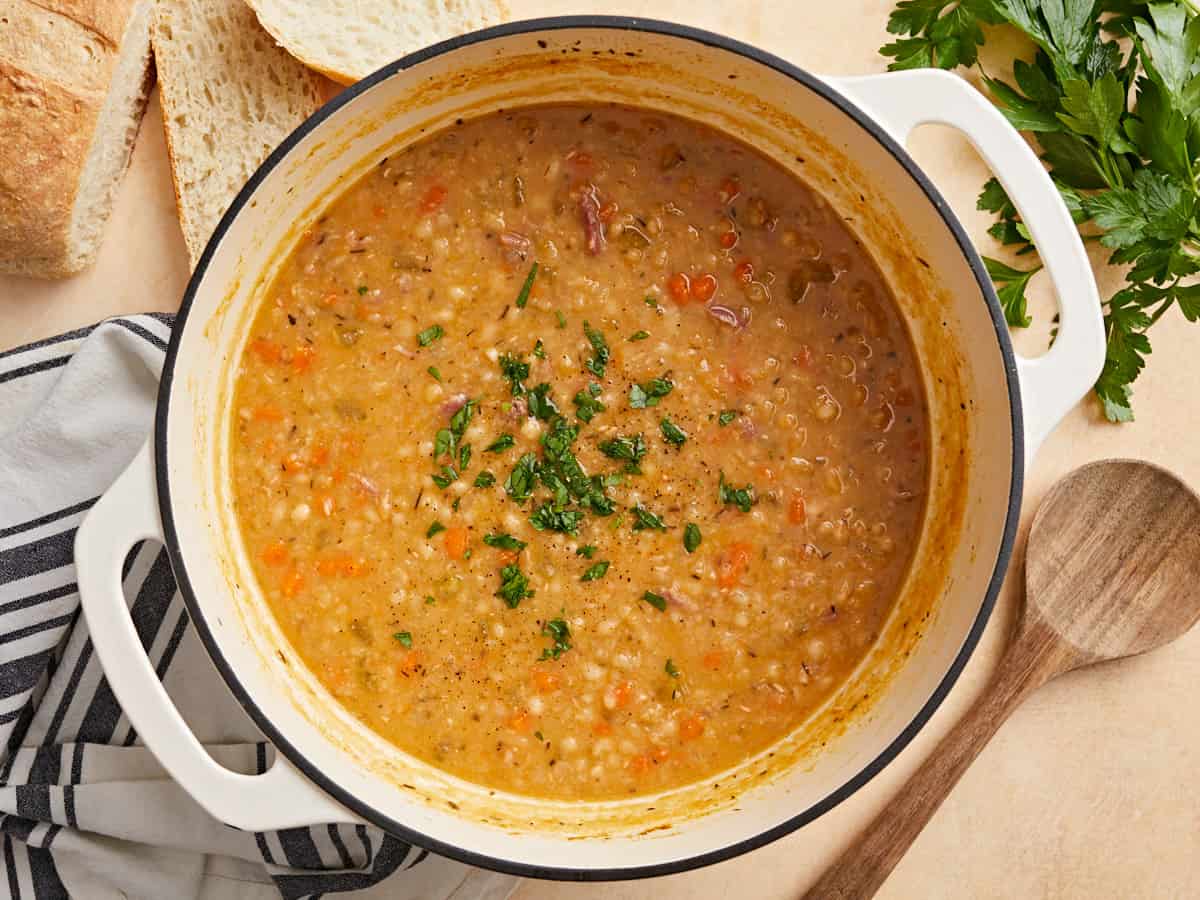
(48, 126)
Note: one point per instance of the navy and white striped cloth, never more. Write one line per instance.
(85, 810)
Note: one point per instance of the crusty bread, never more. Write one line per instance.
(74, 78)
(349, 39)
(229, 96)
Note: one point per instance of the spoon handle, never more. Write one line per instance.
(866, 864)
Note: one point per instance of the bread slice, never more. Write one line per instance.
(229, 96)
(74, 79)
(349, 39)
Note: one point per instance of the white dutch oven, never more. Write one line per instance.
(990, 410)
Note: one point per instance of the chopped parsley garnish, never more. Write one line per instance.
(539, 736)
(553, 517)
(651, 301)
(559, 632)
(523, 296)
(522, 479)
(499, 444)
(644, 520)
(464, 457)
(629, 449)
(642, 396)
(504, 542)
(404, 637)
(430, 334)
(362, 289)
(743, 498)
(587, 551)
(727, 416)
(430, 600)
(671, 669)
(671, 432)
(484, 479)
(434, 373)
(514, 586)
(516, 370)
(596, 571)
(658, 601)
(639, 336)
(562, 320)
(446, 443)
(691, 537)
(434, 529)
(600, 351)
(539, 349)
(447, 476)
(541, 404)
(587, 406)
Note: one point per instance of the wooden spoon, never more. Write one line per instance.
(1112, 569)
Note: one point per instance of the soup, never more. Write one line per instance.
(580, 451)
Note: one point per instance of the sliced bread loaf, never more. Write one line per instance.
(74, 78)
(349, 39)
(229, 96)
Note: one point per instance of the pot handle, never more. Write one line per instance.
(1052, 383)
(279, 798)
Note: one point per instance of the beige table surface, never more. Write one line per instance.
(1091, 790)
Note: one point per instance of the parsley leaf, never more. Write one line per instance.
(743, 498)
(644, 520)
(587, 551)
(504, 442)
(630, 449)
(600, 352)
(691, 537)
(516, 370)
(671, 669)
(647, 394)
(541, 404)
(1010, 289)
(514, 586)
(522, 479)
(559, 632)
(596, 571)
(504, 542)
(430, 334)
(434, 373)
(552, 517)
(405, 638)
(539, 349)
(658, 601)
(484, 479)
(727, 416)
(447, 476)
(434, 529)
(638, 336)
(671, 432)
(586, 403)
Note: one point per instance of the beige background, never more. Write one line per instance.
(1093, 788)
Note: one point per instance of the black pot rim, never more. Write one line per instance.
(361, 806)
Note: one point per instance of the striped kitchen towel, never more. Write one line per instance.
(85, 810)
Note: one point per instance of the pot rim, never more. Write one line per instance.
(565, 873)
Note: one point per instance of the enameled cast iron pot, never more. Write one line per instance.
(989, 410)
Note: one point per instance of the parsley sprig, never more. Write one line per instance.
(1119, 126)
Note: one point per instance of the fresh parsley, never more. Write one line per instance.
(504, 542)
(658, 601)
(638, 336)
(446, 477)
(596, 571)
(405, 638)
(587, 404)
(691, 537)
(629, 449)
(644, 520)
(523, 478)
(551, 516)
(539, 349)
(600, 352)
(430, 334)
(434, 373)
(362, 289)
(587, 551)
(433, 529)
(671, 669)
(559, 632)
(672, 433)
(727, 416)
(523, 296)
(743, 498)
(560, 318)
(504, 442)
(484, 479)
(541, 404)
(516, 370)
(1112, 96)
(514, 586)
(648, 393)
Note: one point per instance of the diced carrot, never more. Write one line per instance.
(732, 564)
(729, 239)
(640, 764)
(265, 350)
(433, 199)
(691, 728)
(329, 298)
(744, 271)
(601, 728)
(302, 359)
(622, 693)
(410, 663)
(342, 564)
(660, 755)
(319, 455)
(797, 511)
(275, 554)
(379, 211)
(521, 721)
(679, 287)
(456, 542)
(293, 583)
(703, 288)
(545, 682)
(268, 413)
(508, 557)
(729, 191)
(713, 659)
